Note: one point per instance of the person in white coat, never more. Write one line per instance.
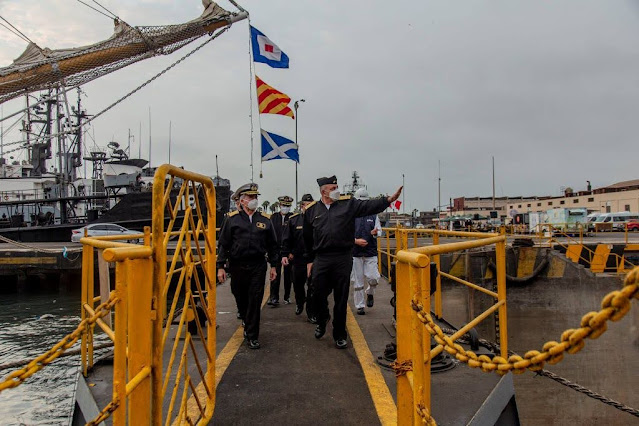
(365, 274)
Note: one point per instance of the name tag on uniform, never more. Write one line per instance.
(260, 225)
(299, 227)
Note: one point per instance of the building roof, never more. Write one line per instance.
(623, 185)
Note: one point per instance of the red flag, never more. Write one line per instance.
(396, 204)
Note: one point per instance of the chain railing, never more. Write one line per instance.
(415, 325)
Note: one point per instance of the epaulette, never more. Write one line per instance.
(233, 213)
(345, 197)
(266, 215)
(311, 205)
(293, 215)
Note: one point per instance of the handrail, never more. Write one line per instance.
(413, 289)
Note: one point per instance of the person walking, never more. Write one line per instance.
(329, 232)
(365, 271)
(246, 240)
(279, 221)
(293, 253)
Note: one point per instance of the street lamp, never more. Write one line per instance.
(296, 105)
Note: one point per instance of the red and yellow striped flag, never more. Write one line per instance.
(272, 101)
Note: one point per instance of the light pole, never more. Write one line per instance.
(296, 105)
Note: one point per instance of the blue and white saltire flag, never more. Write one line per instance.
(276, 147)
(267, 52)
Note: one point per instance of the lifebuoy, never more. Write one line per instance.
(6, 197)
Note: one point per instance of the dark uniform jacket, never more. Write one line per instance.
(332, 230)
(363, 228)
(276, 220)
(293, 239)
(244, 241)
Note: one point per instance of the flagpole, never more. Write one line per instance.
(403, 195)
(252, 73)
(296, 105)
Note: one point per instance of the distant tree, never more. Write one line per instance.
(274, 206)
(265, 205)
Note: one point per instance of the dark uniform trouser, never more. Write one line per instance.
(249, 279)
(299, 280)
(275, 284)
(332, 272)
(236, 294)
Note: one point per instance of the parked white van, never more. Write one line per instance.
(614, 221)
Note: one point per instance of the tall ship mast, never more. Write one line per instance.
(42, 186)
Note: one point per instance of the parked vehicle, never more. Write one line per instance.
(101, 229)
(614, 221)
(633, 225)
(567, 220)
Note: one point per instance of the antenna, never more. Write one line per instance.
(217, 169)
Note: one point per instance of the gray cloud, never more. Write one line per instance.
(549, 88)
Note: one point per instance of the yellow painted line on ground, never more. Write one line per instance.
(229, 351)
(382, 398)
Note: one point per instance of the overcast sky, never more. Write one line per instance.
(550, 89)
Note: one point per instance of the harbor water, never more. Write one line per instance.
(31, 323)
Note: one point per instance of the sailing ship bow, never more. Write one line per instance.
(41, 69)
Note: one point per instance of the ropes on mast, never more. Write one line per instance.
(91, 7)
(22, 35)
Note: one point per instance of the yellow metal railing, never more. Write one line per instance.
(414, 351)
(156, 366)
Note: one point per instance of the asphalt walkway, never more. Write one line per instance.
(294, 378)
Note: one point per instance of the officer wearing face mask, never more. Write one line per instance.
(246, 240)
(279, 221)
(329, 232)
(293, 253)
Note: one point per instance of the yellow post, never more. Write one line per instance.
(159, 276)
(388, 257)
(417, 345)
(211, 296)
(438, 283)
(500, 258)
(405, 403)
(140, 275)
(119, 350)
(87, 251)
(89, 301)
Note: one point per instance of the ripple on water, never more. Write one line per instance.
(47, 397)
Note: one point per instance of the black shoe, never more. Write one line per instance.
(361, 311)
(320, 330)
(239, 315)
(245, 334)
(287, 300)
(312, 320)
(370, 301)
(269, 302)
(253, 344)
(275, 302)
(243, 324)
(299, 310)
(341, 343)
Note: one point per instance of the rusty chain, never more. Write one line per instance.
(423, 412)
(105, 413)
(614, 306)
(402, 367)
(17, 377)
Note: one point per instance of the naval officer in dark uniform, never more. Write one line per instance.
(329, 232)
(279, 221)
(293, 253)
(246, 240)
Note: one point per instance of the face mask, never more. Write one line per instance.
(334, 195)
(285, 210)
(252, 204)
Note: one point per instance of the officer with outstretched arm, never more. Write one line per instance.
(246, 240)
(329, 232)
